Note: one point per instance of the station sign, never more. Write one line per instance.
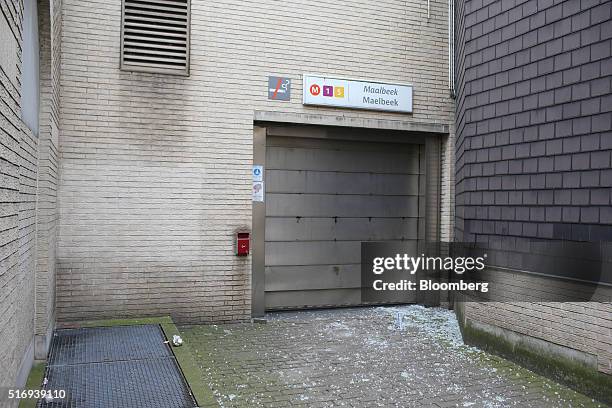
(346, 93)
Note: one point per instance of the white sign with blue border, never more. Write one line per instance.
(257, 173)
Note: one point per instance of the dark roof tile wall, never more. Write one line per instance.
(534, 116)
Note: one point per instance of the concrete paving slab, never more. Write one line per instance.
(407, 356)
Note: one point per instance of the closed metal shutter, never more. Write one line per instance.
(323, 198)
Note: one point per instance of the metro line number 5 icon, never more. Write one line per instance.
(315, 89)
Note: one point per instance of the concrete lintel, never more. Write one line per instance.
(350, 121)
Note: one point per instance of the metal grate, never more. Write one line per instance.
(101, 344)
(125, 366)
(155, 36)
(125, 384)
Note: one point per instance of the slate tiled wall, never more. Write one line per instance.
(534, 114)
(533, 148)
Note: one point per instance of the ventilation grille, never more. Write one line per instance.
(155, 36)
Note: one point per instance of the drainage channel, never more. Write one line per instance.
(122, 366)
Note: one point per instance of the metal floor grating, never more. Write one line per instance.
(122, 367)
(100, 344)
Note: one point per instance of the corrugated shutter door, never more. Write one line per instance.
(156, 36)
(323, 198)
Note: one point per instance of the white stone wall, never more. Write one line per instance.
(155, 169)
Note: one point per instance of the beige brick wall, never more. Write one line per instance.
(27, 235)
(17, 206)
(48, 159)
(447, 188)
(586, 327)
(155, 169)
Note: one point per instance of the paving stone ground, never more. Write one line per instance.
(365, 357)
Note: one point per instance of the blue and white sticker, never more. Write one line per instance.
(257, 173)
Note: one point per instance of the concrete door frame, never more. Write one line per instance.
(312, 126)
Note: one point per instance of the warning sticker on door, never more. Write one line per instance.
(258, 191)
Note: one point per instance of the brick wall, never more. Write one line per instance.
(18, 201)
(447, 188)
(48, 156)
(155, 170)
(534, 142)
(27, 179)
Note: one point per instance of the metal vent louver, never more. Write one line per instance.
(155, 36)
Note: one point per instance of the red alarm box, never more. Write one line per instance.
(243, 243)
